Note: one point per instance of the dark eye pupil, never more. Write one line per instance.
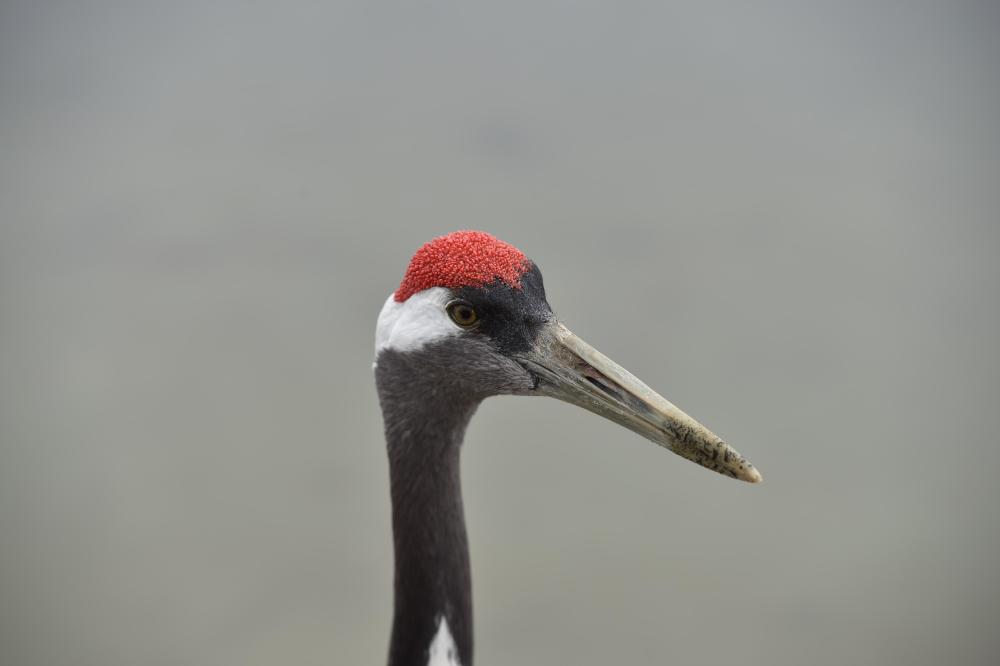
(463, 314)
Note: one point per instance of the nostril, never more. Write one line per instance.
(604, 387)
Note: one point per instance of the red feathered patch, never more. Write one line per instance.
(462, 259)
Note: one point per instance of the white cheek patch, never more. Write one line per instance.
(418, 320)
(442, 651)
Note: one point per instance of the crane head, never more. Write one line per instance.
(470, 320)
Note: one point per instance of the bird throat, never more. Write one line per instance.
(432, 584)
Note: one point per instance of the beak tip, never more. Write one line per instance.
(751, 475)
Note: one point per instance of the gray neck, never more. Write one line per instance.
(424, 427)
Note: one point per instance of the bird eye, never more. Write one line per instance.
(462, 314)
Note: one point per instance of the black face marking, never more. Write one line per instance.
(510, 318)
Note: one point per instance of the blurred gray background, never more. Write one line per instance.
(781, 215)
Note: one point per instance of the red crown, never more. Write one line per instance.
(462, 259)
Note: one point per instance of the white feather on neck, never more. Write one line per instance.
(442, 651)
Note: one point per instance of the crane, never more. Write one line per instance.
(470, 320)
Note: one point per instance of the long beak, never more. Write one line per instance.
(571, 370)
